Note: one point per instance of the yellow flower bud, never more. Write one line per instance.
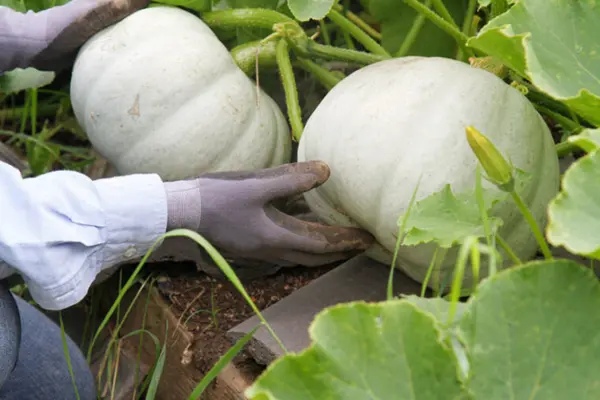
(498, 170)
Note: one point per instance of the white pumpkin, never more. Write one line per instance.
(387, 124)
(159, 93)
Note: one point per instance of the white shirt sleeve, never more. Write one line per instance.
(59, 230)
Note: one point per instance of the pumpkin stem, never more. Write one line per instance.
(288, 81)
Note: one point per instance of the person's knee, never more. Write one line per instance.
(42, 371)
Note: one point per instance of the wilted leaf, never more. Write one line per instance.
(304, 10)
(21, 79)
(533, 332)
(553, 43)
(574, 214)
(386, 351)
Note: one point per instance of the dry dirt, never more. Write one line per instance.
(208, 307)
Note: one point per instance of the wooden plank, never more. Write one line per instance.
(130, 374)
(358, 279)
(178, 377)
(233, 381)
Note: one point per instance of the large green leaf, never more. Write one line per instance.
(397, 20)
(574, 214)
(530, 332)
(389, 350)
(554, 44)
(533, 333)
(304, 10)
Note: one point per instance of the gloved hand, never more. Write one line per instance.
(47, 40)
(234, 211)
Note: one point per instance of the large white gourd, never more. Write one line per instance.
(158, 92)
(384, 126)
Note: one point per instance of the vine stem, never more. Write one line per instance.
(289, 85)
(245, 17)
(484, 219)
(561, 119)
(325, 32)
(564, 148)
(508, 250)
(305, 47)
(358, 21)
(323, 75)
(346, 25)
(441, 9)
(449, 28)
(412, 34)
(534, 226)
(467, 24)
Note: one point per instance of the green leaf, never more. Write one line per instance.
(533, 332)
(397, 20)
(574, 214)
(21, 79)
(389, 350)
(304, 10)
(588, 140)
(553, 44)
(448, 219)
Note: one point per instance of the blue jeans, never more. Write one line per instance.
(41, 371)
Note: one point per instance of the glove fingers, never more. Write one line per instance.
(279, 182)
(314, 167)
(297, 179)
(315, 238)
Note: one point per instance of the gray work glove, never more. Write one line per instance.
(49, 39)
(235, 212)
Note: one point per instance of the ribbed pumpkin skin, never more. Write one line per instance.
(158, 92)
(389, 123)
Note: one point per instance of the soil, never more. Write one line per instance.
(208, 307)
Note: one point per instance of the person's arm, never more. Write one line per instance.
(59, 230)
(48, 39)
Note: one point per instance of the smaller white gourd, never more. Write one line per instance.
(159, 93)
(388, 124)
